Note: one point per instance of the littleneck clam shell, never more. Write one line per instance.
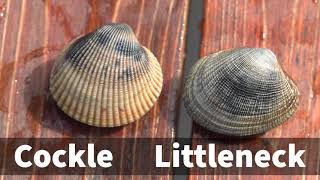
(106, 78)
(240, 92)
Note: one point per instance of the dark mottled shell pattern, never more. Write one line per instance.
(240, 92)
(106, 78)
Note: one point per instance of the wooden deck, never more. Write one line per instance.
(32, 32)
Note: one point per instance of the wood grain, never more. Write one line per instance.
(33, 32)
(290, 28)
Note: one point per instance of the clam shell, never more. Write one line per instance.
(106, 78)
(240, 92)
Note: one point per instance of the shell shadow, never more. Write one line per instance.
(227, 139)
(44, 113)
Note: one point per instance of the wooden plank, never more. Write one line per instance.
(33, 32)
(290, 28)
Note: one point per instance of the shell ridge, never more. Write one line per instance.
(124, 99)
(96, 106)
(106, 78)
(141, 69)
(86, 77)
(153, 89)
(217, 106)
(246, 89)
(83, 78)
(82, 82)
(123, 65)
(107, 93)
(112, 118)
(65, 81)
(132, 108)
(156, 82)
(135, 76)
(238, 89)
(111, 64)
(132, 79)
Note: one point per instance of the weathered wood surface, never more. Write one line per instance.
(290, 28)
(33, 32)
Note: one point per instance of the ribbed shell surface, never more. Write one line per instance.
(240, 92)
(106, 78)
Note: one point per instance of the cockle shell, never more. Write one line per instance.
(106, 78)
(240, 92)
